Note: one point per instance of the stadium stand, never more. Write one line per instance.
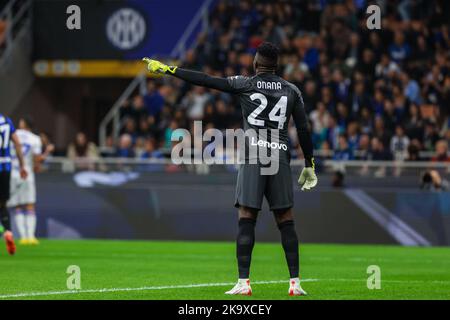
(369, 95)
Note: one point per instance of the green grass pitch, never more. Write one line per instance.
(204, 270)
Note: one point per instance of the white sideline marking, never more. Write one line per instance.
(199, 285)
(185, 286)
(390, 281)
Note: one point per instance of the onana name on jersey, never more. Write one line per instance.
(270, 85)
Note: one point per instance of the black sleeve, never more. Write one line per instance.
(303, 132)
(204, 80)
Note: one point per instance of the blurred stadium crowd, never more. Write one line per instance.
(370, 94)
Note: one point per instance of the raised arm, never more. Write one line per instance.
(203, 79)
(194, 77)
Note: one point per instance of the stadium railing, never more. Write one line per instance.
(201, 17)
(112, 118)
(375, 169)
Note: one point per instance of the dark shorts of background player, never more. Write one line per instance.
(251, 187)
(4, 185)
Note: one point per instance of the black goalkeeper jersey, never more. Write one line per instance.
(267, 101)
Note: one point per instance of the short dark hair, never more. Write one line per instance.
(269, 51)
(29, 122)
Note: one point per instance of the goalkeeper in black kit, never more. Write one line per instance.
(267, 102)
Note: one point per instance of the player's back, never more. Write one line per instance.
(267, 102)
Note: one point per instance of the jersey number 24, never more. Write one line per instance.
(277, 114)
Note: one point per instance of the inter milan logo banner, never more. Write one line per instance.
(71, 34)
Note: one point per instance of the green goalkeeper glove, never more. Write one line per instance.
(157, 67)
(308, 178)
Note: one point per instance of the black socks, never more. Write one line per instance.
(289, 241)
(246, 241)
(244, 246)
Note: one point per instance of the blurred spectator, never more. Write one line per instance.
(82, 148)
(134, 110)
(130, 128)
(320, 118)
(392, 85)
(169, 132)
(380, 131)
(196, 102)
(139, 147)
(125, 147)
(430, 136)
(82, 152)
(366, 121)
(353, 135)
(413, 152)
(150, 151)
(363, 149)
(441, 152)
(109, 150)
(378, 151)
(343, 116)
(359, 98)
(414, 124)
(343, 151)
(333, 132)
(412, 89)
(46, 141)
(310, 96)
(399, 144)
(153, 100)
(399, 50)
(386, 67)
(341, 85)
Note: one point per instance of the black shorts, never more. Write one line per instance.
(4, 185)
(252, 186)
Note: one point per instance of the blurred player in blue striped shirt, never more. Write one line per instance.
(8, 134)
